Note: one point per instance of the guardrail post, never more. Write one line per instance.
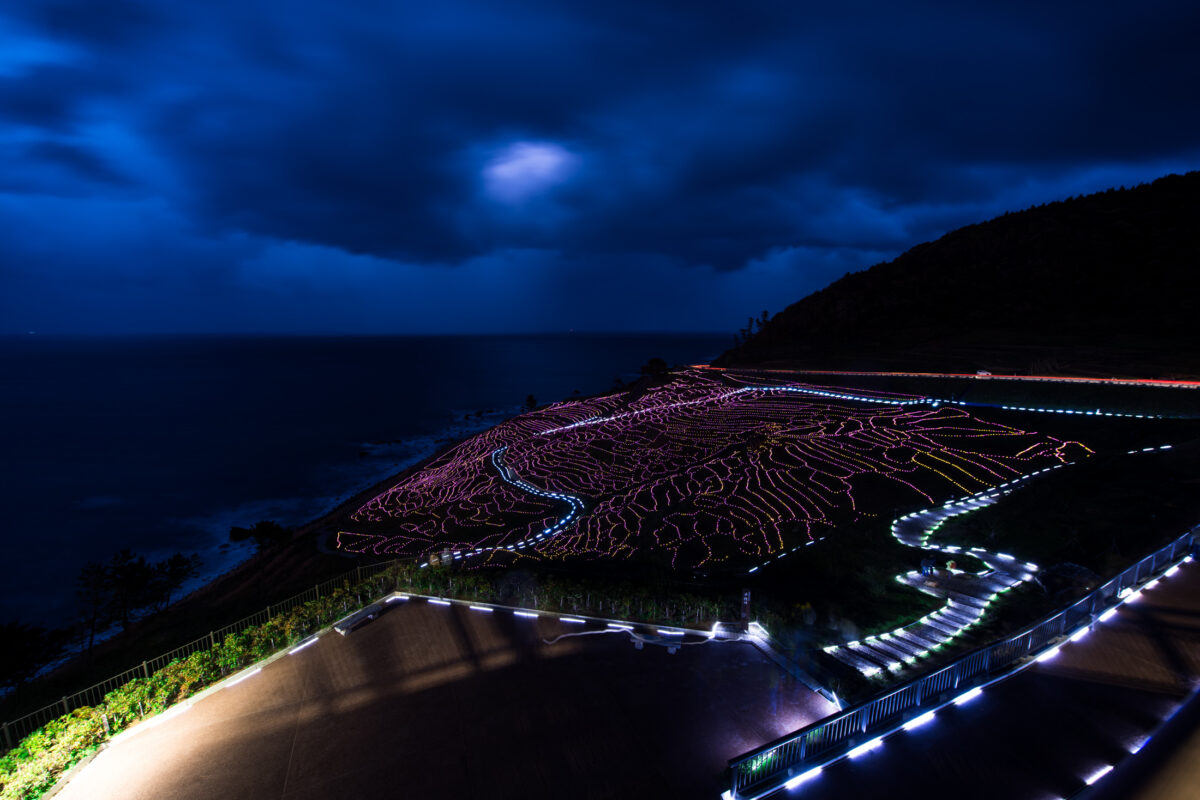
(64, 705)
(8, 737)
(145, 670)
(212, 638)
(268, 610)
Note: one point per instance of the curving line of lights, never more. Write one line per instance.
(891, 401)
(966, 697)
(511, 477)
(838, 395)
(1096, 413)
(905, 645)
(809, 543)
(577, 504)
(1148, 450)
(984, 376)
(638, 630)
(841, 445)
(936, 401)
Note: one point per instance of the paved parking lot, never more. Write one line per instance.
(445, 701)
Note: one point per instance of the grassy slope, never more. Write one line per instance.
(1102, 514)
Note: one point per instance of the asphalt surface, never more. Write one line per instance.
(1046, 731)
(448, 702)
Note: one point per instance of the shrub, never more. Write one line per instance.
(38, 760)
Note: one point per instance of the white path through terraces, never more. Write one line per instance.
(967, 594)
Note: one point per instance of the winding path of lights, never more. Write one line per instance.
(577, 505)
(699, 470)
(966, 605)
(509, 476)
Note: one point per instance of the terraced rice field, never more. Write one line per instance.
(705, 470)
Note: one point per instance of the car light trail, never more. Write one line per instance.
(1180, 384)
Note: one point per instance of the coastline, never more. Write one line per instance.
(315, 531)
(246, 588)
(197, 436)
(252, 584)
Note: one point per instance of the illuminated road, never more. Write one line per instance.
(444, 701)
(1047, 731)
(1176, 384)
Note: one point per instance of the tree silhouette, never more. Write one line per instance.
(171, 574)
(655, 367)
(266, 533)
(128, 585)
(91, 591)
(131, 586)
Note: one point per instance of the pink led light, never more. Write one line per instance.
(704, 469)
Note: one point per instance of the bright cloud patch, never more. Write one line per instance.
(21, 50)
(526, 169)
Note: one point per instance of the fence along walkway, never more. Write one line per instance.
(17, 729)
(770, 767)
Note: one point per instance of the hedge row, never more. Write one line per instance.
(38, 760)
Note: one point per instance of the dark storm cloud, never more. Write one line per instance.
(693, 141)
(101, 23)
(48, 97)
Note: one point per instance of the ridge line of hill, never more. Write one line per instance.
(1104, 284)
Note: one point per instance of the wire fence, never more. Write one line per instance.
(755, 772)
(16, 729)
(769, 767)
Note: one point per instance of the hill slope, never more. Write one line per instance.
(1102, 284)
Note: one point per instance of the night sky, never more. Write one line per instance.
(383, 167)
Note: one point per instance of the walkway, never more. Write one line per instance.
(1052, 728)
(967, 594)
(435, 701)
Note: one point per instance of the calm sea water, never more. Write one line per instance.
(161, 445)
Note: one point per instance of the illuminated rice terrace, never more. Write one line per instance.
(703, 471)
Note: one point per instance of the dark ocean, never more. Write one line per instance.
(161, 445)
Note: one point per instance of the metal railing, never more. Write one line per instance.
(769, 767)
(17, 729)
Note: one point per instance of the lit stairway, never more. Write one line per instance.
(967, 594)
